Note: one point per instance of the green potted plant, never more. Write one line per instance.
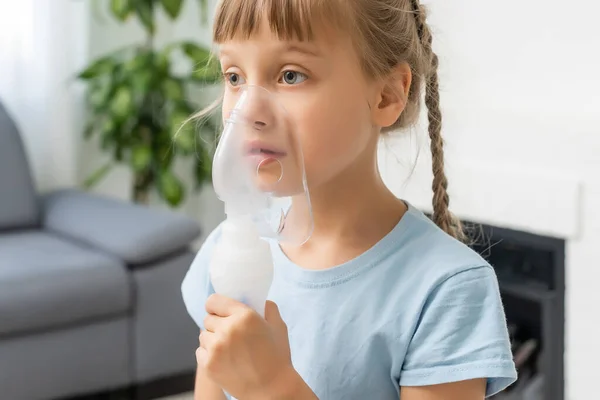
(137, 105)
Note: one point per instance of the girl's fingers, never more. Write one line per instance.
(222, 306)
(213, 323)
(207, 339)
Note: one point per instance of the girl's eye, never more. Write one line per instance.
(293, 77)
(234, 79)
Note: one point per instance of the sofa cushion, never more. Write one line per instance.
(18, 202)
(47, 282)
(132, 232)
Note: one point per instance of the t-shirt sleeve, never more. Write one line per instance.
(461, 335)
(196, 286)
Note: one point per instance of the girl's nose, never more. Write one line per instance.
(260, 107)
(260, 124)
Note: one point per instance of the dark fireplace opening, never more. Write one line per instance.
(531, 273)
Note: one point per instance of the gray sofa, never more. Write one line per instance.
(90, 298)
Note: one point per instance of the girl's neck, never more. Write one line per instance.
(351, 214)
(354, 204)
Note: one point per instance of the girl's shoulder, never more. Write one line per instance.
(422, 261)
(423, 246)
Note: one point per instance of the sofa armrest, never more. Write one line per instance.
(134, 233)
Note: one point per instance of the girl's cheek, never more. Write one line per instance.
(227, 106)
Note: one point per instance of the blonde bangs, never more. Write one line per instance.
(288, 19)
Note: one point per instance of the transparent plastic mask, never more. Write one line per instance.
(258, 168)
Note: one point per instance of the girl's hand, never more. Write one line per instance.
(248, 356)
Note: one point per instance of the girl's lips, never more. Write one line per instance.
(262, 154)
(263, 150)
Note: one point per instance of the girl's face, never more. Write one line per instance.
(323, 89)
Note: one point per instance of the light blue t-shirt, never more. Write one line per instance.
(418, 308)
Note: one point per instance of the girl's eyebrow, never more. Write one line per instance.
(295, 48)
(287, 48)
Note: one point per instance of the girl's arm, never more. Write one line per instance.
(205, 389)
(465, 390)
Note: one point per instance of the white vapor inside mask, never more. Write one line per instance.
(258, 168)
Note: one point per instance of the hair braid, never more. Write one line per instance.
(441, 201)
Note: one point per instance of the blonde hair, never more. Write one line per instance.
(386, 33)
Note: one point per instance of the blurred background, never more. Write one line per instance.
(105, 196)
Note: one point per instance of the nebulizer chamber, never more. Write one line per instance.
(258, 173)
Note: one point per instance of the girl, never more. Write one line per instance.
(381, 303)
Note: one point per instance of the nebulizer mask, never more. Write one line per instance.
(258, 173)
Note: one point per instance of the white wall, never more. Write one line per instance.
(106, 35)
(521, 102)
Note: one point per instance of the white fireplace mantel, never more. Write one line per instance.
(538, 202)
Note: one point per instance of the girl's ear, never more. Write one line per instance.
(392, 96)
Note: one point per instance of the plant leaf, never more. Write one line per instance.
(97, 175)
(111, 138)
(141, 82)
(210, 131)
(145, 13)
(170, 188)
(118, 149)
(121, 103)
(89, 129)
(173, 89)
(182, 133)
(172, 7)
(99, 93)
(98, 67)
(207, 69)
(203, 167)
(141, 60)
(141, 157)
(121, 9)
(198, 55)
(207, 74)
(138, 71)
(163, 64)
(108, 132)
(163, 58)
(165, 154)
